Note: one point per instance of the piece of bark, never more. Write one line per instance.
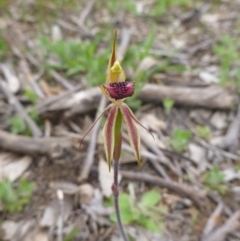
(213, 97)
(54, 147)
(76, 103)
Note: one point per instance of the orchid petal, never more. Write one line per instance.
(94, 123)
(109, 134)
(132, 129)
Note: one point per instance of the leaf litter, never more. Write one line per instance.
(186, 80)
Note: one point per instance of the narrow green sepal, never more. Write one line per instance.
(109, 134)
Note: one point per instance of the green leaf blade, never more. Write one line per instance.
(150, 199)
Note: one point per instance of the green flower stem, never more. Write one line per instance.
(116, 203)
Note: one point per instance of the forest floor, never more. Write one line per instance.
(184, 58)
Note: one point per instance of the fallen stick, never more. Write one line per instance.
(61, 80)
(12, 100)
(212, 97)
(213, 220)
(53, 147)
(220, 234)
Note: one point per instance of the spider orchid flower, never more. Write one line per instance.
(116, 90)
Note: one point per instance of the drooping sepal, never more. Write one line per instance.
(133, 132)
(113, 56)
(115, 71)
(109, 134)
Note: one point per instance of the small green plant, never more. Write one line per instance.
(32, 96)
(145, 213)
(237, 167)
(71, 235)
(79, 57)
(180, 139)
(3, 47)
(168, 105)
(15, 198)
(227, 51)
(126, 5)
(214, 180)
(161, 7)
(18, 125)
(203, 132)
(35, 116)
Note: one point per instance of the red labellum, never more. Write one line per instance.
(120, 90)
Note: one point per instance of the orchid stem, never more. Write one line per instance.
(116, 200)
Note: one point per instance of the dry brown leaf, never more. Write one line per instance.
(10, 76)
(12, 167)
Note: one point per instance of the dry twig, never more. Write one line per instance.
(213, 97)
(54, 147)
(220, 234)
(35, 130)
